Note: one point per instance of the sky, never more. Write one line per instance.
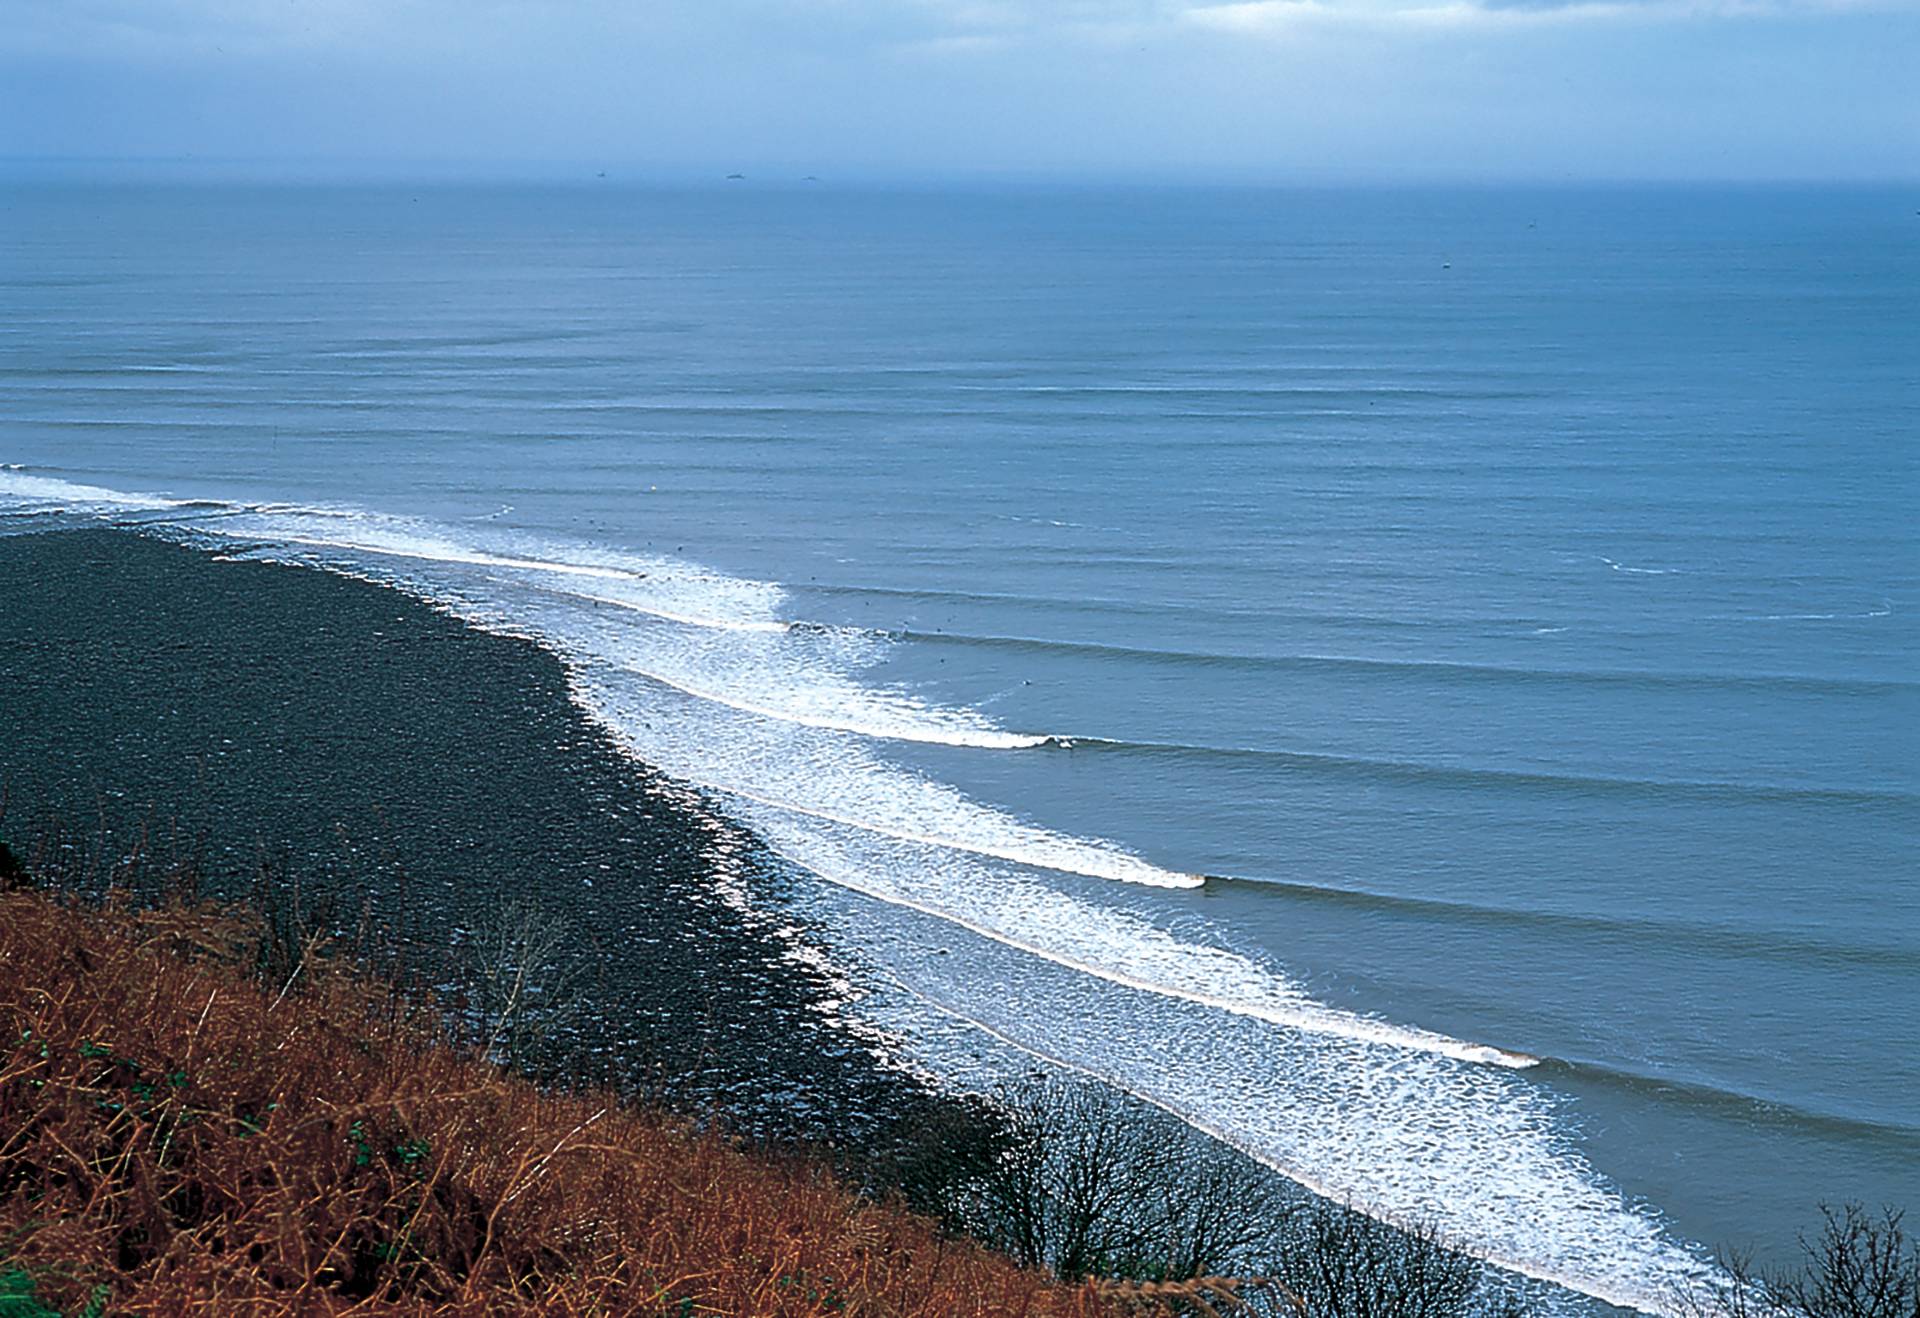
(1255, 90)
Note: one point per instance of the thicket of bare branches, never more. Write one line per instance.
(1087, 1185)
(1343, 1264)
(1858, 1264)
(1083, 1186)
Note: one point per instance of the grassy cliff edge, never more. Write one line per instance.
(178, 1136)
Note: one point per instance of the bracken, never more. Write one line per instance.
(195, 1143)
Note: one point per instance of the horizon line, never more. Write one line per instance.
(587, 172)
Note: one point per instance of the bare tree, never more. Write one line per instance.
(1088, 1185)
(1344, 1264)
(526, 982)
(1858, 1265)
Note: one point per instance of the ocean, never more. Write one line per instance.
(1417, 682)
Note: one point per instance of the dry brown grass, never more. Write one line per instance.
(1202, 1297)
(204, 1145)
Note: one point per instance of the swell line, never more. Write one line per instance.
(1444, 668)
(1415, 771)
(1745, 1106)
(1740, 942)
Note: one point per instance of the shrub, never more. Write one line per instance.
(526, 976)
(1087, 1184)
(1084, 1185)
(1343, 1264)
(1859, 1264)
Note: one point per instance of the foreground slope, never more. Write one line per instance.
(178, 1137)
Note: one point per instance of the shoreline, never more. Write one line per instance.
(394, 747)
(422, 772)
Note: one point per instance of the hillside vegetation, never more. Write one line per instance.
(180, 1136)
(203, 1113)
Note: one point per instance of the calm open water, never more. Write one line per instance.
(1508, 597)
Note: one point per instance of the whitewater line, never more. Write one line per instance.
(32, 487)
(472, 558)
(1148, 875)
(978, 739)
(1637, 571)
(56, 493)
(480, 558)
(1326, 1020)
(691, 620)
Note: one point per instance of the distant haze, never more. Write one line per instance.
(1087, 89)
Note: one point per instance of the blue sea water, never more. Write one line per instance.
(1506, 599)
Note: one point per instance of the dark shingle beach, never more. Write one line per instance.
(398, 763)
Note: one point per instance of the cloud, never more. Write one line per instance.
(961, 45)
(1109, 88)
(173, 27)
(387, 29)
(1272, 17)
(1275, 17)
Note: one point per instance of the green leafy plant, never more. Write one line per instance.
(20, 1298)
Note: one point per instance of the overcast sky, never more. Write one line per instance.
(1227, 89)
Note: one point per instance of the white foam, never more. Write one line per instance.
(795, 673)
(668, 589)
(49, 492)
(1885, 610)
(443, 552)
(1636, 571)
